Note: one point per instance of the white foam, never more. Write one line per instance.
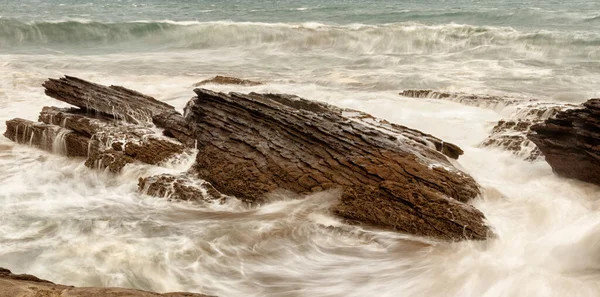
(72, 225)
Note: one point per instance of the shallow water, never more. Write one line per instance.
(72, 225)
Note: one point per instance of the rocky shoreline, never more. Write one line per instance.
(250, 145)
(567, 136)
(25, 285)
(571, 141)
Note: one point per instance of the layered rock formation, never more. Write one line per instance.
(179, 187)
(249, 145)
(487, 101)
(108, 140)
(228, 80)
(571, 142)
(511, 133)
(24, 285)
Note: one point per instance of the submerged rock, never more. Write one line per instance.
(571, 142)
(228, 80)
(24, 285)
(179, 187)
(486, 101)
(47, 137)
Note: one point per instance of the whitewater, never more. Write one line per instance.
(72, 225)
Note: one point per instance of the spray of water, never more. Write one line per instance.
(64, 222)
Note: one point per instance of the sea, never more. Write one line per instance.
(76, 226)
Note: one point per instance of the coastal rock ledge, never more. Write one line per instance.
(24, 285)
(571, 142)
(250, 145)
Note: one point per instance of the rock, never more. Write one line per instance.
(487, 101)
(47, 137)
(104, 140)
(417, 137)
(75, 119)
(111, 143)
(179, 187)
(570, 141)
(24, 285)
(7, 274)
(511, 133)
(250, 145)
(114, 101)
(512, 136)
(228, 80)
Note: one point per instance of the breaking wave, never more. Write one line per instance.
(394, 38)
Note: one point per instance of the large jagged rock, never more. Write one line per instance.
(571, 142)
(249, 145)
(509, 134)
(24, 285)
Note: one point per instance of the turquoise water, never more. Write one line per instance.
(567, 15)
(545, 49)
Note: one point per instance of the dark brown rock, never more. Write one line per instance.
(571, 142)
(113, 144)
(76, 119)
(253, 144)
(7, 274)
(24, 285)
(47, 137)
(509, 134)
(228, 80)
(179, 187)
(118, 102)
(418, 137)
(250, 145)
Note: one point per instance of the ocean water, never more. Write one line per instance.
(64, 222)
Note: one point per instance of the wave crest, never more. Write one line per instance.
(406, 37)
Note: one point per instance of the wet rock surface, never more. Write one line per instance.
(107, 141)
(479, 100)
(24, 285)
(47, 137)
(250, 145)
(571, 141)
(510, 133)
(179, 187)
(228, 80)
